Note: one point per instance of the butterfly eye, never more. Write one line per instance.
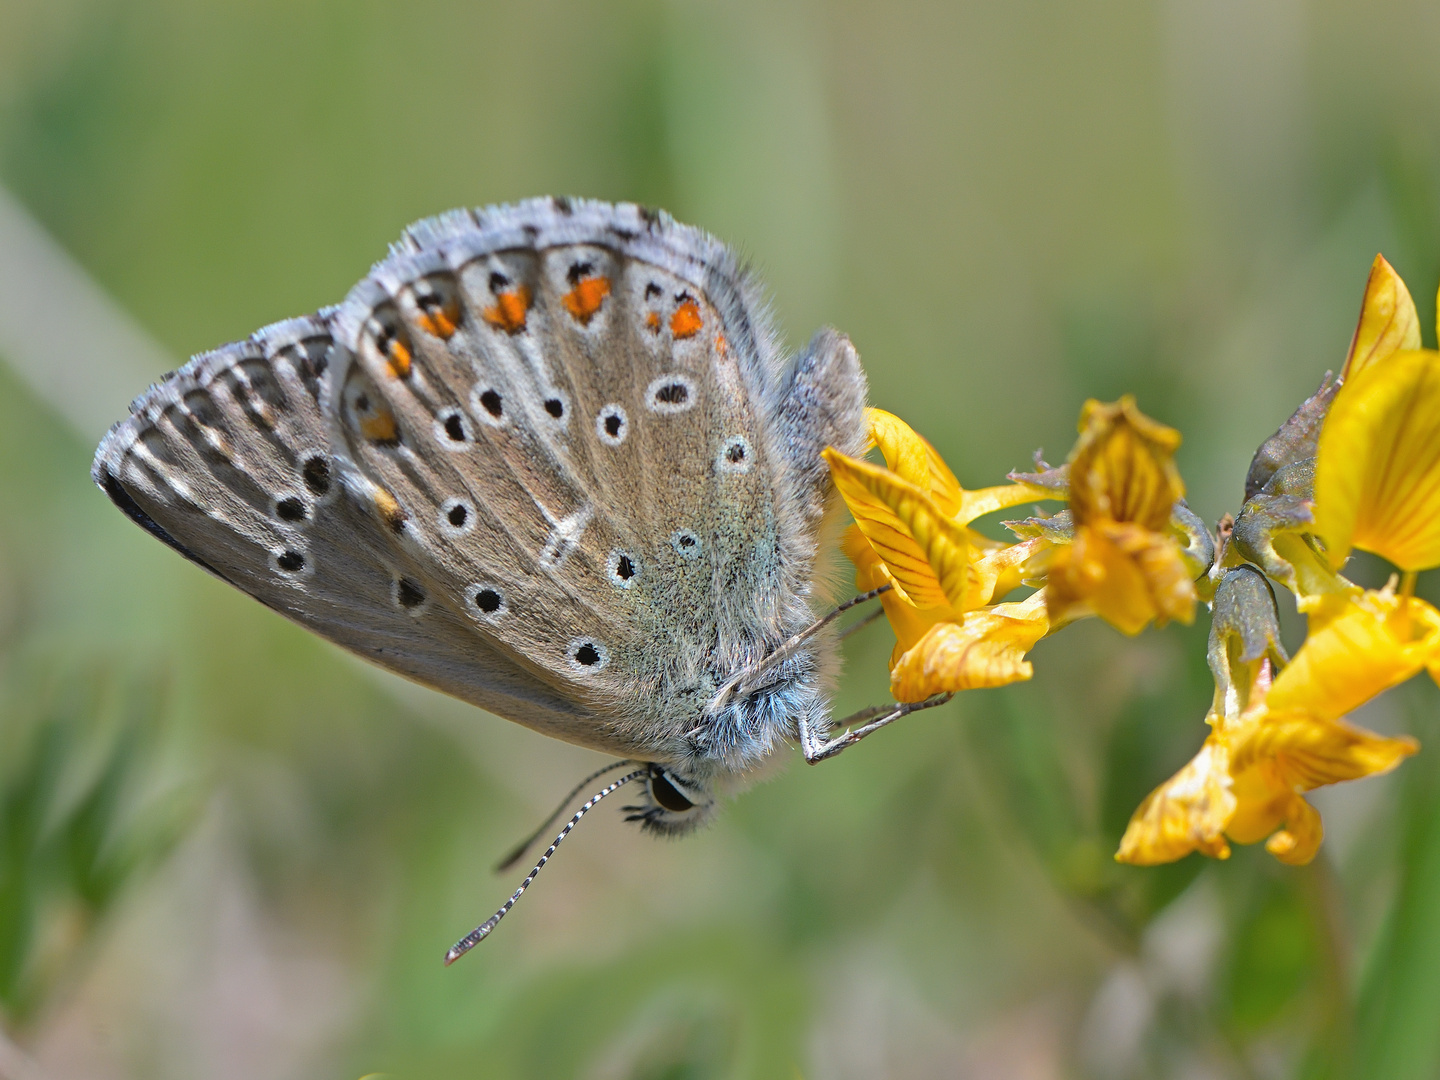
(735, 455)
(612, 425)
(588, 656)
(670, 394)
(667, 794)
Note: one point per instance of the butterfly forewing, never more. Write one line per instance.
(228, 461)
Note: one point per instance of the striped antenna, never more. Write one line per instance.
(518, 851)
(481, 932)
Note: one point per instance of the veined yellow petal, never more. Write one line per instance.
(982, 501)
(1374, 642)
(1288, 752)
(900, 521)
(1122, 467)
(909, 623)
(889, 536)
(1187, 813)
(1388, 323)
(1377, 472)
(870, 572)
(911, 457)
(987, 649)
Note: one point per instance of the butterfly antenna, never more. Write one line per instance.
(787, 648)
(481, 932)
(518, 852)
(860, 624)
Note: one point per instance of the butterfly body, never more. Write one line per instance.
(547, 458)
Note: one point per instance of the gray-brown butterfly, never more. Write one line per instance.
(549, 458)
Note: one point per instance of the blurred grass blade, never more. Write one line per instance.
(74, 346)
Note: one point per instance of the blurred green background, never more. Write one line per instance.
(229, 851)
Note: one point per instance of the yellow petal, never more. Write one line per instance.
(987, 649)
(1122, 572)
(982, 501)
(1388, 323)
(1189, 812)
(909, 623)
(1290, 752)
(1377, 472)
(926, 553)
(1000, 570)
(887, 535)
(870, 572)
(1299, 841)
(1122, 467)
(912, 458)
(1373, 643)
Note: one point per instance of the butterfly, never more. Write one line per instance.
(549, 458)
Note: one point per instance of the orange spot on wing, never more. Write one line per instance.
(652, 320)
(509, 311)
(584, 300)
(686, 320)
(389, 509)
(380, 427)
(441, 319)
(721, 345)
(399, 357)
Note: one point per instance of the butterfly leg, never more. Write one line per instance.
(817, 745)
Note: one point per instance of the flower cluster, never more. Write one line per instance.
(1356, 467)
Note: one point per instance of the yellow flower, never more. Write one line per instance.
(1124, 564)
(1247, 781)
(912, 532)
(939, 650)
(1376, 474)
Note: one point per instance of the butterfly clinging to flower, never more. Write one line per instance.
(549, 458)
